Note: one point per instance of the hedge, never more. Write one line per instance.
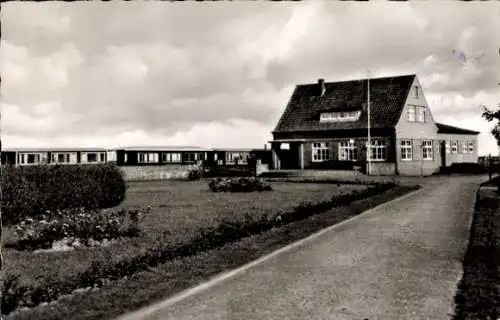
(31, 191)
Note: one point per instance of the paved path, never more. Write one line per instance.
(399, 261)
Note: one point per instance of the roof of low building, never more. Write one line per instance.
(447, 129)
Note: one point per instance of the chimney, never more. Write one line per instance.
(321, 85)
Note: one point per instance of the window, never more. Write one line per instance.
(470, 146)
(416, 92)
(421, 114)
(448, 147)
(147, 157)
(60, 157)
(102, 157)
(171, 157)
(320, 151)
(427, 150)
(339, 116)
(454, 147)
(348, 151)
(190, 157)
(29, 158)
(411, 113)
(91, 157)
(406, 150)
(377, 150)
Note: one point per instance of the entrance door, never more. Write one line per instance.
(443, 153)
(289, 156)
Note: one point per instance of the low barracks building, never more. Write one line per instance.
(325, 126)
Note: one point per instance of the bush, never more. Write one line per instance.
(238, 185)
(81, 224)
(466, 168)
(30, 191)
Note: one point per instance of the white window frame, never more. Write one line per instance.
(420, 116)
(377, 150)
(454, 146)
(147, 157)
(448, 147)
(339, 116)
(100, 157)
(470, 147)
(66, 155)
(406, 150)
(171, 157)
(348, 151)
(427, 150)
(321, 152)
(24, 156)
(411, 113)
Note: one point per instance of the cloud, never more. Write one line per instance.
(221, 73)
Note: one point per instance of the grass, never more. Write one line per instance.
(169, 278)
(478, 293)
(178, 209)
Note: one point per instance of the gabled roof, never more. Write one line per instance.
(387, 98)
(444, 128)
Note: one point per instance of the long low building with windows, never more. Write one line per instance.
(61, 156)
(325, 126)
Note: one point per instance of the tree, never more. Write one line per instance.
(490, 116)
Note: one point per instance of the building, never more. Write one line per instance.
(61, 156)
(325, 126)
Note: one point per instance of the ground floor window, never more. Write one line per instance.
(406, 150)
(348, 151)
(171, 157)
(470, 146)
(60, 157)
(147, 157)
(320, 151)
(30, 158)
(96, 157)
(378, 150)
(447, 146)
(427, 150)
(454, 146)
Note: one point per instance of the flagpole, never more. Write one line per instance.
(368, 153)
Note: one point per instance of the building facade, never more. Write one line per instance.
(325, 126)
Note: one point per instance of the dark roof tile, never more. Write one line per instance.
(446, 129)
(387, 98)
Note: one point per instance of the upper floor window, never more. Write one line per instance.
(421, 114)
(339, 116)
(416, 92)
(411, 113)
(416, 113)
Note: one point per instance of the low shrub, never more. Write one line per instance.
(30, 191)
(465, 168)
(241, 184)
(84, 225)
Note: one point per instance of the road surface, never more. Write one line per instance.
(399, 261)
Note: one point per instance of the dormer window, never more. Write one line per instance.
(339, 116)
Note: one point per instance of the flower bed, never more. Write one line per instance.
(134, 258)
(238, 185)
(76, 226)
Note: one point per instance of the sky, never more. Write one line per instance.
(220, 74)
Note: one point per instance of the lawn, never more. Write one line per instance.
(168, 278)
(478, 293)
(178, 210)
